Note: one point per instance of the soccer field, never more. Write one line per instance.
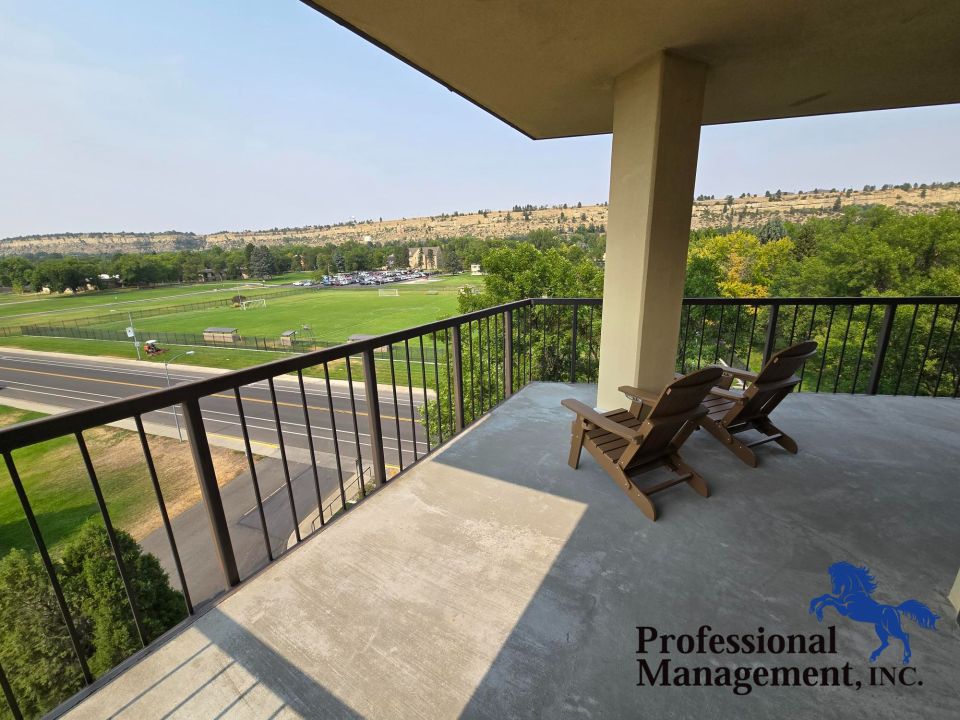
(34, 309)
(332, 314)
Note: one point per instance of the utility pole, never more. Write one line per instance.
(133, 333)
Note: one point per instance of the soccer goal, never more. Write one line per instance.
(250, 304)
(389, 292)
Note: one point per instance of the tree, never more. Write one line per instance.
(450, 261)
(773, 229)
(261, 262)
(34, 647)
(90, 576)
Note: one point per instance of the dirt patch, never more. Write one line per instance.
(118, 458)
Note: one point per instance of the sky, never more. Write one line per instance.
(249, 114)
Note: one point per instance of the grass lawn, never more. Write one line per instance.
(332, 314)
(61, 494)
(39, 309)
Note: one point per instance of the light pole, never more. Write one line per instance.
(166, 370)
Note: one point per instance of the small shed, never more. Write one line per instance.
(221, 335)
(360, 337)
(287, 337)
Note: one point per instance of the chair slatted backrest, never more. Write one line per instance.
(677, 404)
(775, 381)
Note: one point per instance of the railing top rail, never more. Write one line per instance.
(827, 301)
(54, 426)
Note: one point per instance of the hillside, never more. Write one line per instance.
(748, 210)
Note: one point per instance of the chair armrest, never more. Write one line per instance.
(639, 395)
(745, 375)
(725, 393)
(601, 421)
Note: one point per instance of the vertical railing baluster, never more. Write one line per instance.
(374, 425)
(736, 335)
(473, 409)
(491, 391)
(716, 355)
(826, 347)
(558, 364)
(883, 342)
(164, 517)
(210, 491)
(447, 355)
(793, 325)
(906, 347)
(863, 345)
(356, 429)
(480, 384)
(530, 336)
(283, 459)
(843, 349)
(396, 406)
(590, 346)
(253, 473)
(803, 368)
(48, 566)
(946, 350)
(457, 347)
(426, 402)
(686, 337)
(771, 341)
(753, 328)
(333, 432)
(703, 332)
(926, 349)
(413, 420)
(310, 447)
(543, 343)
(508, 354)
(8, 694)
(573, 343)
(436, 382)
(112, 537)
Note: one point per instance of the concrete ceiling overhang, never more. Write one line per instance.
(548, 67)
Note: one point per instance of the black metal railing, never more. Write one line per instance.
(888, 346)
(335, 442)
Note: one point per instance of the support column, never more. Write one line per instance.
(656, 139)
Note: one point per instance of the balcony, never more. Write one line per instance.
(488, 579)
(491, 580)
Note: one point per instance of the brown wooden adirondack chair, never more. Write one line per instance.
(731, 412)
(628, 443)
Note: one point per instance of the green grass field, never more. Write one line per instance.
(40, 309)
(61, 495)
(332, 313)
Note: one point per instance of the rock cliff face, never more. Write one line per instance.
(749, 211)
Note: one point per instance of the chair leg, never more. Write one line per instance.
(576, 444)
(695, 481)
(784, 441)
(727, 438)
(634, 493)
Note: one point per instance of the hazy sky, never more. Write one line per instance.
(234, 114)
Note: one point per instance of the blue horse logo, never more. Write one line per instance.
(852, 588)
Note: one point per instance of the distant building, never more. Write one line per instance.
(424, 258)
(475, 269)
(208, 275)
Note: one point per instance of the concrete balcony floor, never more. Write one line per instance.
(493, 581)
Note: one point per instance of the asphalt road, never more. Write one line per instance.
(81, 382)
(78, 382)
